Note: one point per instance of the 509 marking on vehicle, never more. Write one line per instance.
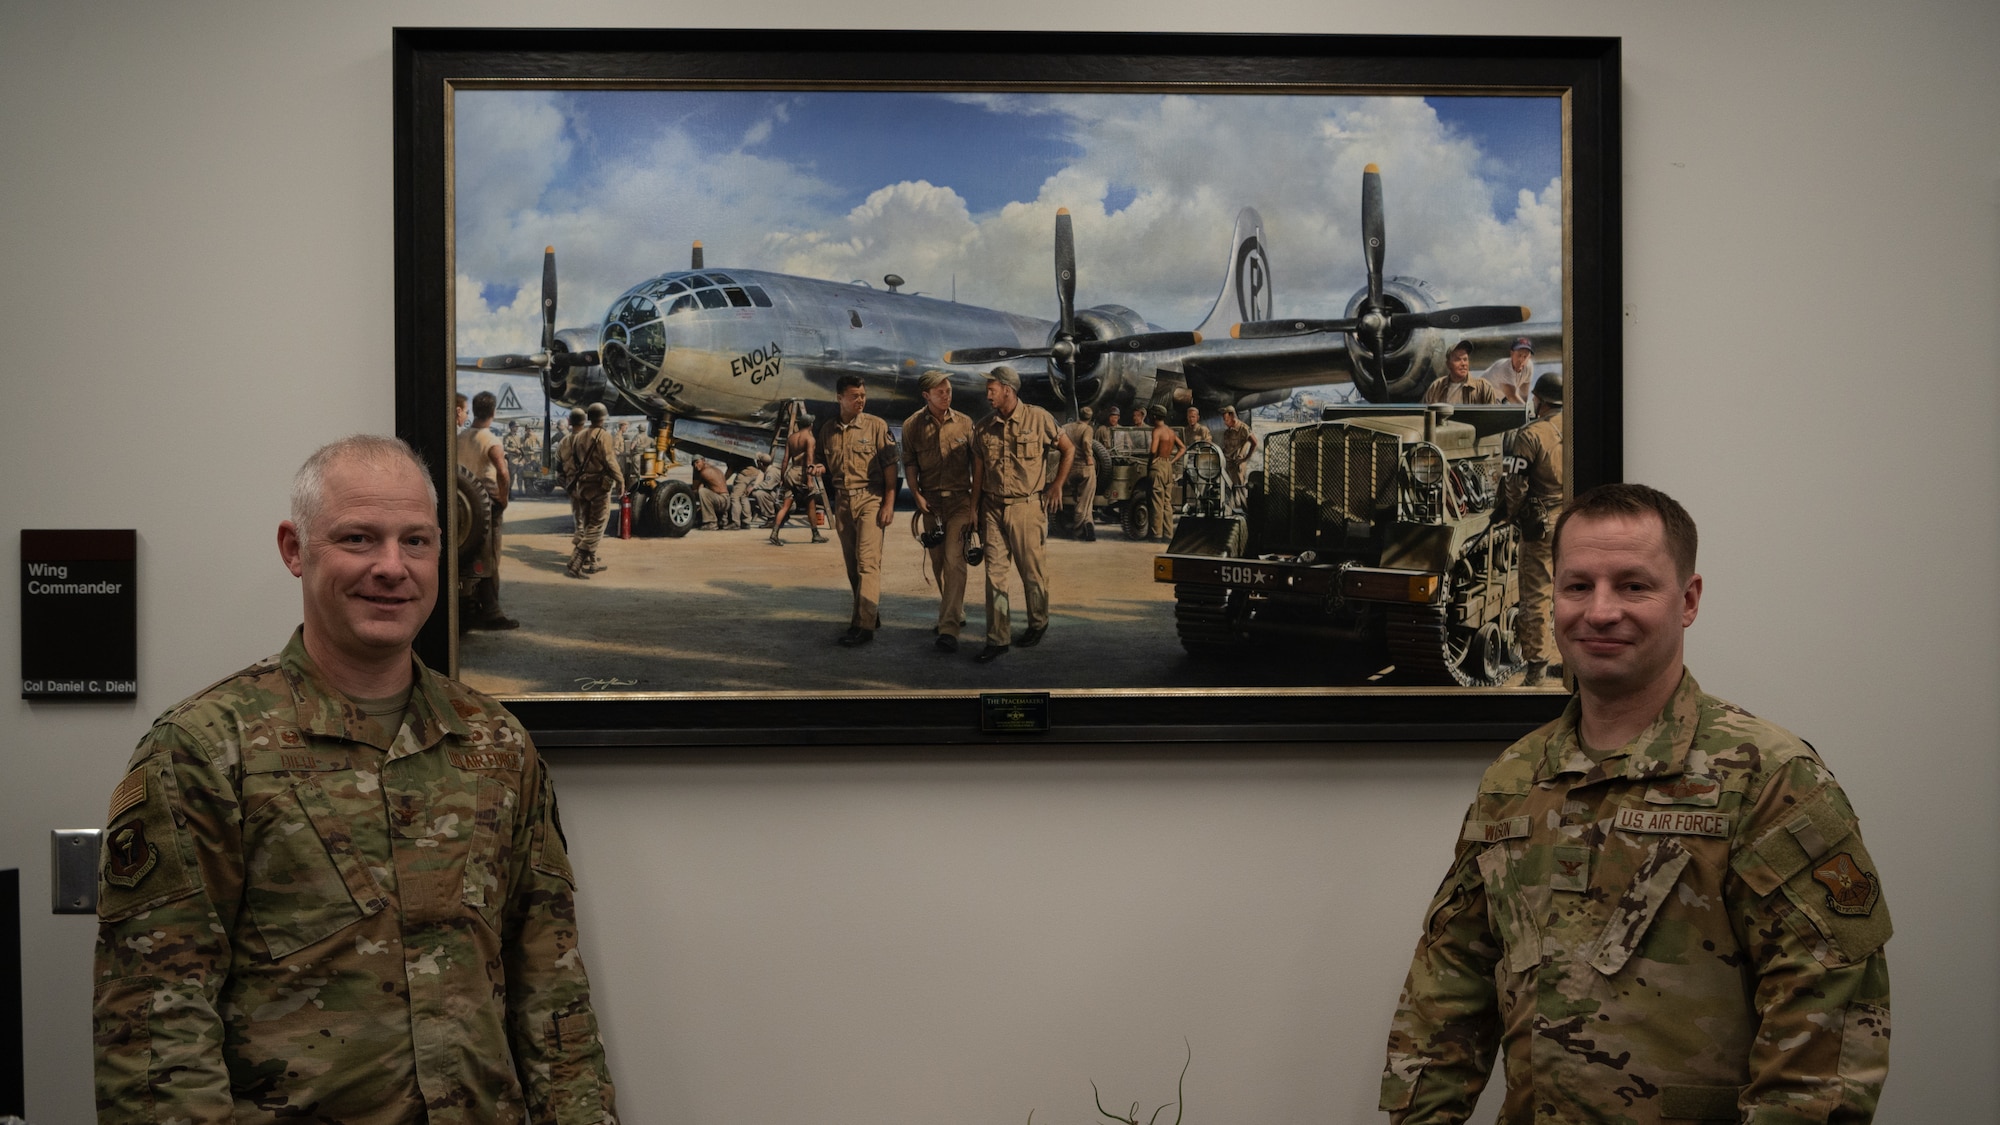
(1371, 533)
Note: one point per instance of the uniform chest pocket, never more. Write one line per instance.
(1635, 908)
(451, 847)
(1513, 915)
(303, 879)
(491, 851)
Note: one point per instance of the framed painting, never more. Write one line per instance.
(1235, 337)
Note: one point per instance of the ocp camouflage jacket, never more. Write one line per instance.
(296, 924)
(1690, 930)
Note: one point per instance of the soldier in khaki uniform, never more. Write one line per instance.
(1081, 487)
(1458, 384)
(1534, 490)
(937, 461)
(1237, 443)
(1167, 449)
(333, 886)
(711, 490)
(590, 474)
(1016, 493)
(1110, 426)
(1660, 908)
(860, 458)
(741, 484)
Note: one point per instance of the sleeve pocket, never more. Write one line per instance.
(576, 1090)
(123, 1040)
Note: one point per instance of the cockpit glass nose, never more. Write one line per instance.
(635, 311)
(634, 342)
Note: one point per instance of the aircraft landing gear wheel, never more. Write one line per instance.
(671, 509)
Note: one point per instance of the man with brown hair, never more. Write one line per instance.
(1167, 448)
(1659, 908)
(484, 456)
(1458, 384)
(937, 463)
(800, 474)
(859, 455)
(1016, 493)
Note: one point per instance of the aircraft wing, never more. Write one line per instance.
(1235, 369)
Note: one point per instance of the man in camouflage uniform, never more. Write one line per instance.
(334, 886)
(1660, 908)
(1081, 487)
(860, 458)
(1016, 493)
(937, 461)
(1533, 490)
(590, 474)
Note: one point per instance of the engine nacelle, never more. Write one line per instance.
(578, 386)
(1119, 377)
(1415, 357)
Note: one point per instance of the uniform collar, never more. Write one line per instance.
(321, 710)
(1661, 750)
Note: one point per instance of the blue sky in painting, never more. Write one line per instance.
(958, 193)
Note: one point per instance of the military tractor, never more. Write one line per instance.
(1371, 535)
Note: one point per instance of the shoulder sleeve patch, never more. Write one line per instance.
(141, 864)
(129, 792)
(1840, 913)
(1786, 848)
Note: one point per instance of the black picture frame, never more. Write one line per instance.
(430, 62)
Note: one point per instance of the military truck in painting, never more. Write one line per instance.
(1370, 535)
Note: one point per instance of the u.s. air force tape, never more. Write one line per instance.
(1681, 822)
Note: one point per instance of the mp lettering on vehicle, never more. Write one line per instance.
(758, 363)
(1683, 823)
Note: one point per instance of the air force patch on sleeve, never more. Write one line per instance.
(1849, 890)
(128, 857)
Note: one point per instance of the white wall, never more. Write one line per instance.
(195, 213)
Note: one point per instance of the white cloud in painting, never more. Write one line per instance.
(1154, 186)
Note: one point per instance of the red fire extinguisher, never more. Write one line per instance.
(625, 516)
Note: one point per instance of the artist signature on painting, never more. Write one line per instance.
(588, 683)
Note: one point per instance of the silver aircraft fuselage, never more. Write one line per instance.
(735, 345)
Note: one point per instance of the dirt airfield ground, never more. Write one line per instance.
(724, 611)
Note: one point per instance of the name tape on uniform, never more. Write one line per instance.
(1673, 820)
(1492, 831)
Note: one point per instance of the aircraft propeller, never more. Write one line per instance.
(549, 359)
(1375, 320)
(1066, 349)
